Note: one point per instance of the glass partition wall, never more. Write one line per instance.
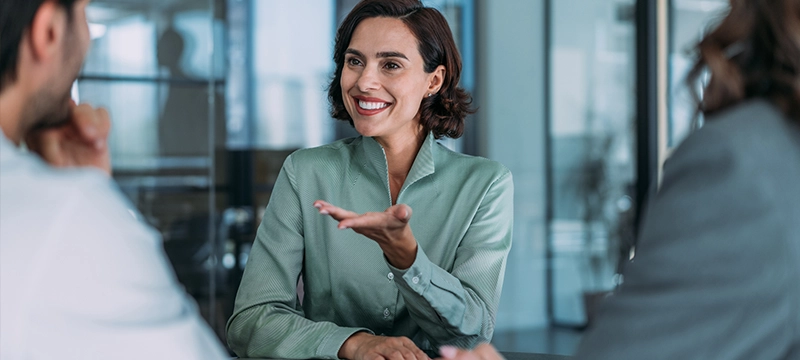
(592, 144)
(618, 104)
(689, 20)
(158, 67)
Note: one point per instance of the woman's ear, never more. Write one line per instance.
(436, 79)
(47, 31)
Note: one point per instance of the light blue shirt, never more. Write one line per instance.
(80, 277)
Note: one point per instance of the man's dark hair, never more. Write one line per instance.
(16, 17)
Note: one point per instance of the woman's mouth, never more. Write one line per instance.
(370, 106)
(367, 105)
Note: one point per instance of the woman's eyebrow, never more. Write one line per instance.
(387, 54)
(382, 54)
(354, 52)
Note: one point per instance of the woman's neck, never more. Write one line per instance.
(400, 154)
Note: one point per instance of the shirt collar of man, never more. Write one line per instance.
(7, 148)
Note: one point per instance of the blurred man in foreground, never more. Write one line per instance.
(80, 277)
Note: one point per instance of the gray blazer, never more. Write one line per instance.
(717, 268)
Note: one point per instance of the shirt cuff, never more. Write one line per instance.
(329, 348)
(418, 276)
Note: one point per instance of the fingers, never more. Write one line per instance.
(482, 352)
(48, 146)
(335, 212)
(401, 348)
(93, 125)
(370, 347)
(450, 352)
(419, 354)
(394, 217)
(408, 354)
(369, 220)
(81, 142)
(400, 211)
(349, 219)
(374, 357)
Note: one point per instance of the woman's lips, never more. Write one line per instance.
(370, 106)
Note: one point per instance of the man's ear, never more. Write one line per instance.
(47, 31)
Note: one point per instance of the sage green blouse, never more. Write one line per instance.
(462, 220)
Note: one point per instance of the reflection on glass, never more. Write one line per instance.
(689, 20)
(292, 66)
(124, 35)
(134, 111)
(592, 137)
(156, 67)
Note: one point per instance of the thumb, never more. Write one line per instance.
(402, 212)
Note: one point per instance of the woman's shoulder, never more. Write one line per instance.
(449, 160)
(742, 121)
(750, 141)
(753, 129)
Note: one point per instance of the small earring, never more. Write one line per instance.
(430, 94)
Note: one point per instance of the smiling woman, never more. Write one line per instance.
(381, 86)
(341, 215)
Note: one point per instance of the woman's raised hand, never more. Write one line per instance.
(388, 228)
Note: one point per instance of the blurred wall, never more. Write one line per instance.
(511, 97)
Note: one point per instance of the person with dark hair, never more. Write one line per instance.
(717, 267)
(380, 283)
(80, 277)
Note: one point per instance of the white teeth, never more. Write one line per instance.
(372, 105)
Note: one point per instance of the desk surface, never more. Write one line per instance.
(507, 355)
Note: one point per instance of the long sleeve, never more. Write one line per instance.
(459, 307)
(268, 320)
(713, 276)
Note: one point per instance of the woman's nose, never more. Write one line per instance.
(368, 80)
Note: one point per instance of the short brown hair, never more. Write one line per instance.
(444, 112)
(16, 17)
(753, 53)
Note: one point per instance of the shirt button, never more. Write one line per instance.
(390, 276)
(386, 313)
(415, 280)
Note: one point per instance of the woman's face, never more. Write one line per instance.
(384, 79)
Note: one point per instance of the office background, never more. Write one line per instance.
(581, 99)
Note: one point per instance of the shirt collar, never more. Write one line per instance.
(7, 148)
(374, 158)
(423, 164)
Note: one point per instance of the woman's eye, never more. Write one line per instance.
(353, 62)
(392, 66)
